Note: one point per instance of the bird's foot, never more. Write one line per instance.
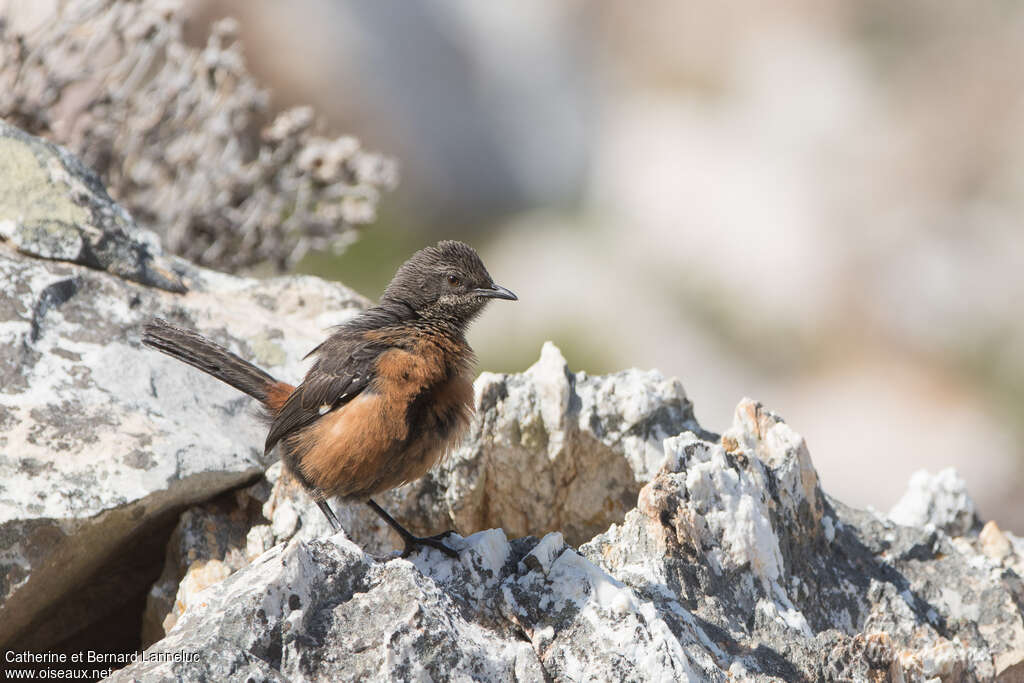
(413, 542)
(435, 541)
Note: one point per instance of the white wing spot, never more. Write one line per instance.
(325, 408)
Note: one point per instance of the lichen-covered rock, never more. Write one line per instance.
(53, 207)
(102, 441)
(702, 558)
(733, 566)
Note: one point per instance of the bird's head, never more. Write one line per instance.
(446, 282)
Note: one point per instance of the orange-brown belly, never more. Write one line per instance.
(382, 439)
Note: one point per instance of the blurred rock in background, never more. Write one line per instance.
(816, 204)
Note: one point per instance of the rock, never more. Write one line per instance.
(207, 545)
(740, 535)
(53, 207)
(994, 542)
(940, 500)
(322, 610)
(734, 565)
(664, 552)
(103, 442)
(549, 450)
(552, 450)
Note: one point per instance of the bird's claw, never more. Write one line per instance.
(435, 541)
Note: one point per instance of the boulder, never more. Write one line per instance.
(103, 443)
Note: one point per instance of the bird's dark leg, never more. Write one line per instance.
(412, 541)
(319, 497)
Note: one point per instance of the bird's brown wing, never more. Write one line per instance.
(334, 380)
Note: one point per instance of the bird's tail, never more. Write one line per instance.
(211, 358)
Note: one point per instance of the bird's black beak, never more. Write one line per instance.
(496, 292)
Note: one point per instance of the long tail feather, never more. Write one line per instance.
(211, 358)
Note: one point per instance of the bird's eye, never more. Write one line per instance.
(454, 280)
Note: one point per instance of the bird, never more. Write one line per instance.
(389, 392)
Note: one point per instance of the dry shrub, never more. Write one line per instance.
(183, 136)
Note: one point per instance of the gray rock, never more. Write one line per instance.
(104, 442)
(549, 450)
(733, 566)
(792, 585)
(53, 207)
(322, 610)
(552, 450)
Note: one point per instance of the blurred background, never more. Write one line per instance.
(814, 204)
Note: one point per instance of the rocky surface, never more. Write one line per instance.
(733, 566)
(53, 207)
(103, 442)
(549, 450)
(604, 534)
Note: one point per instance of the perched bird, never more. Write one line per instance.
(390, 390)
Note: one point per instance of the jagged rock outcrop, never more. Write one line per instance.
(549, 450)
(738, 537)
(733, 566)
